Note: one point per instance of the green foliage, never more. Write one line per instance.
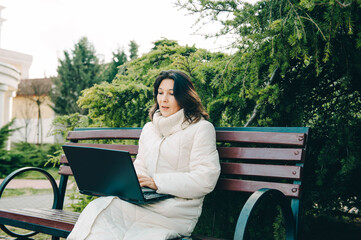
(315, 46)
(25, 155)
(5, 132)
(219, 219)
(121, 104)
(125, 102)
(133, 49)
(7, 159)
(79, 201)
(9, 162)
(77, 71)
(61, 125)
(111, 69)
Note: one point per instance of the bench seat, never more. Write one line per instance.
(54, 222)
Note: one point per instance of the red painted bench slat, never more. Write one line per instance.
(295, 139)
(262, 170)
(289, 154)
(104, 134)
(290, 190)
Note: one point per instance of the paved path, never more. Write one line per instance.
(30, 201)
(36, 200)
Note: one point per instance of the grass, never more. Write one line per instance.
(25, 192)
(39, 236)
(35, 175)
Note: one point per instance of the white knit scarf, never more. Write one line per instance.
(166, 126)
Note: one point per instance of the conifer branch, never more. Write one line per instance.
(255, 109)
(343, 5)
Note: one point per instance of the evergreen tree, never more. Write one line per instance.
(126, 101)
(316, 46)
(5, 133)
(77, 71)
(111, 69)
(133, 50)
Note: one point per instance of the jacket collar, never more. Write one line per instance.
(166, 126)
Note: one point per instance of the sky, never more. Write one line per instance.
(46, 28)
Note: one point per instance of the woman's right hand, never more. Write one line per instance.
(147, 182)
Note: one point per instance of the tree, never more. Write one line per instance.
(315, 45)
(133, 50)
(126, 101)
(5, 133)
(35, 91)
(118, 59)
(78, 70)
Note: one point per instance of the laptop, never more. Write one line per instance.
(108, 172)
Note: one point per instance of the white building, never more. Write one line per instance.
(13, 67)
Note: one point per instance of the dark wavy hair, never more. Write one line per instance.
(184, 93)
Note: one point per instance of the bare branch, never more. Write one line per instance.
(343, 5)
(255, 109)
(310, 19)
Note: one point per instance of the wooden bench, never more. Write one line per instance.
(274, 155)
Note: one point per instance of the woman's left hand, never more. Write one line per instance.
(147, 182)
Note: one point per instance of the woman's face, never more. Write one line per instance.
(168, 105)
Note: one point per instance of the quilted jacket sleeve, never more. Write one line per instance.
(139, 163)
(204, 168)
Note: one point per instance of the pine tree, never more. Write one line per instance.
(119, 58)
(133, 50)
(5, 133)
(77, 71)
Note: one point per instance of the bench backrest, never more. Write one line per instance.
(251, 158)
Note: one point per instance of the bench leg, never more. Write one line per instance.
(55, 238)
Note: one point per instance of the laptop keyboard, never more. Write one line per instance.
(147, 190)
(150, 195)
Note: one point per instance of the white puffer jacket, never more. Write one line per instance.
(183, 161)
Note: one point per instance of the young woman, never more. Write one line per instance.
(177, 155)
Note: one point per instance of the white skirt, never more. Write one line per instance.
(114, 219)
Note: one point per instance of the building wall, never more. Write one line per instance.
(25, 111)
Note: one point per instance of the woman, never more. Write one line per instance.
(177, 155)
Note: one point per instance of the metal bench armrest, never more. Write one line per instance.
(18, 172)
(252, 202)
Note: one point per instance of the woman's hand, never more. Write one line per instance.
(147, 182)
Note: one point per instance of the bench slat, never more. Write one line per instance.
(132, 149)
(290, 190)
(104, 134)
(289, 154)
(69, 217)
(26, 215)
(296, 139)
(262, 170)
(292, 139)
(65, 170)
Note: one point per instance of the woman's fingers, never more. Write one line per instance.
(145, 181)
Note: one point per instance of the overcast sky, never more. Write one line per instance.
(45, 28)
